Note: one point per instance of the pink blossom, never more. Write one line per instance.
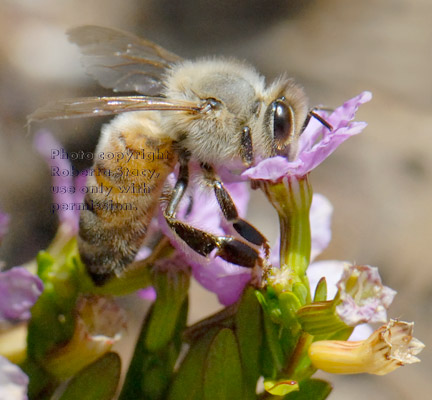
(315, 144)
(19, 290)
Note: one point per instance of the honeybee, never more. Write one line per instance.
(211, 112)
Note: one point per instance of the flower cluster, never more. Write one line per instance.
(283, 319)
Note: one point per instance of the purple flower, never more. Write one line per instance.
(13, 382)
(315, 144)
(332, 270)
(44, 143)
(362, 296)
(199, 209)
(19, 290)
(225, 279)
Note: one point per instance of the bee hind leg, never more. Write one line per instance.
(228, 248)
(229, 210)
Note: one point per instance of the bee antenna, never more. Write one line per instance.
(318, 117)
(312, 113)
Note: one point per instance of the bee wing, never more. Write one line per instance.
(100, 106)
(122, 61)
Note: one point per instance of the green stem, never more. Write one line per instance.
(292, 198)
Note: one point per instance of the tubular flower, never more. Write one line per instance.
(389, 347)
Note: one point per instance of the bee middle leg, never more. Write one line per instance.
(229, 210)
(228, 248)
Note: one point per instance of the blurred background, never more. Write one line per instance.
(380, 182)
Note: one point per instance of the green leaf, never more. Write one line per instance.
(342, 334)
(150, 372)
(301, 291)
(188, 382)
(280, 387)
(98, 381)
(248, 323)
(270, 304)
(223, 379)
(273, 345)
(289, 304)
(321, 290)
(42, 384)
(315, 389)
(171, 288)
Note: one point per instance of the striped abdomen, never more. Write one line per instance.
(132, 161)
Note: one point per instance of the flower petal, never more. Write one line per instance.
(363, 297)
(312, 157)
(315, 144)
(19, 290)
(148, 293)
(273, 169)
(13, 382)
(223, 278)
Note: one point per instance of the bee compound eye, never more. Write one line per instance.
(282, 122)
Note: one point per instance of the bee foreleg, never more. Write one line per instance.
(229, 210)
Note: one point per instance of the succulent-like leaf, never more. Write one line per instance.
(223, 378)
(98, 381)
